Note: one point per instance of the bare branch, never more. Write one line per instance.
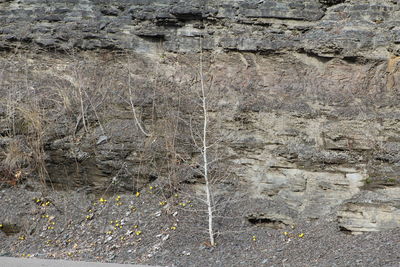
(133, 106)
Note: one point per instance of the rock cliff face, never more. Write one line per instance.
(303, 99)
(347, 29)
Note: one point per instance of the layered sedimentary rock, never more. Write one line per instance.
(304, 97)
(323, 28)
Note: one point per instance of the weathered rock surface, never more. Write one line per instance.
(325, 28)
(304, 98)
(371, 211)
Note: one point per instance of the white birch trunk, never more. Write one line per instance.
(205, 160)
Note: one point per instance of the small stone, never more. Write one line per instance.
(186, 253)
(108, 239)
(102, 139)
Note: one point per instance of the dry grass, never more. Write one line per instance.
(26, 150)
(16, 156)
(78, 95)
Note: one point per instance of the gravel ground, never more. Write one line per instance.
(150, 228)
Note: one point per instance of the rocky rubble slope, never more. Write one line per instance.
(150, 229)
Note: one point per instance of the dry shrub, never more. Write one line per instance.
(34, 119)
(9, 177)
(17, 157)
(26, 150)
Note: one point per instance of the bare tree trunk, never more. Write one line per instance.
(209, 201)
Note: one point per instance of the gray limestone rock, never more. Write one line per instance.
(326, 28)
(371, 212)
(304, 99)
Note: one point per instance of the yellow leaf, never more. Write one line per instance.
(18, 174)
